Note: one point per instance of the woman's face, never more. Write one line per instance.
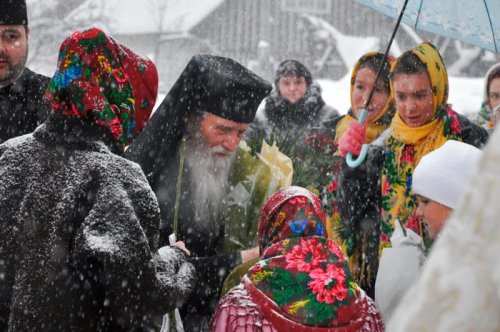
(414, 98)
(363, 84)
(292, 88)
(494, 98)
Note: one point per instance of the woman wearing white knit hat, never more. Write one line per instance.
(439, 181)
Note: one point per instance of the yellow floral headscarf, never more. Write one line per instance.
(378, 124)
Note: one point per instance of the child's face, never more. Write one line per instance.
(414, 98)
(433, 215)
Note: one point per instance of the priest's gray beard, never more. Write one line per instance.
(209, 178)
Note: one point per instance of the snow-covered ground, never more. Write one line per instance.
(466, 93)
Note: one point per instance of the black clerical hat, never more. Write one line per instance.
(13, 12)
(223, 87)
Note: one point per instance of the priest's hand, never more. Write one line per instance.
(249, 254)
(182, 245)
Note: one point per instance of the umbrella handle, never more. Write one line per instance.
(353, 163)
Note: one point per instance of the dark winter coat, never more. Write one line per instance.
(211, 262)
(359, 199)
(22, 108)
(79, 234)
(280, 119)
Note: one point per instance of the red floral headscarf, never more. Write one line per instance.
(102, 80)
(303, 277)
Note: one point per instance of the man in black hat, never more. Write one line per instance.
(21, 106)
(187, 151)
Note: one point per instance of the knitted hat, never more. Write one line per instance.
(443, 174)
(13, 12)
(295, 68)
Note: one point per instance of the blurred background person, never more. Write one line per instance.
(490, 108)
(293, 117)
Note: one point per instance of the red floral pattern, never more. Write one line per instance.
(329, 286)
(306, 256)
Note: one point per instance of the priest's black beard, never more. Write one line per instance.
(208, 178)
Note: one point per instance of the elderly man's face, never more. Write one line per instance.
(13, 52)
(217, 131)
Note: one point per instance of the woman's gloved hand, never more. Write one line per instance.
(352, 140)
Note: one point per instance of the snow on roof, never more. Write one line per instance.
(139, 17)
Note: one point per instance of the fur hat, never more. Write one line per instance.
(295, 68)
(443, 174)
(13, 12)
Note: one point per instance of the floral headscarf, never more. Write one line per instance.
(103, 81)
(302, 275)
(382, 121)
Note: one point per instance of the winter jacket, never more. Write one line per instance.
(22, 108)
(302, 281)
(298, 129)
(79, 235)
(360, 198)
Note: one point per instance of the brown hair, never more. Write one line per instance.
(494, 74)
(373, 63)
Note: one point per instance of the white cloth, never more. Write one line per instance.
(459, 287)
(399, 268)
(443, 174)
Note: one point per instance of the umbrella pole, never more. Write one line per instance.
(364, 150)
(379, 71)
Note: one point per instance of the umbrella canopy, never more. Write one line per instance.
(475, 22)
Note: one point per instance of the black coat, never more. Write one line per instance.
(79, 234)
(359, 197)
(22, 107)
(300, 133)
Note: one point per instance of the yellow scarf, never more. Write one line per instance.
(425, 138)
